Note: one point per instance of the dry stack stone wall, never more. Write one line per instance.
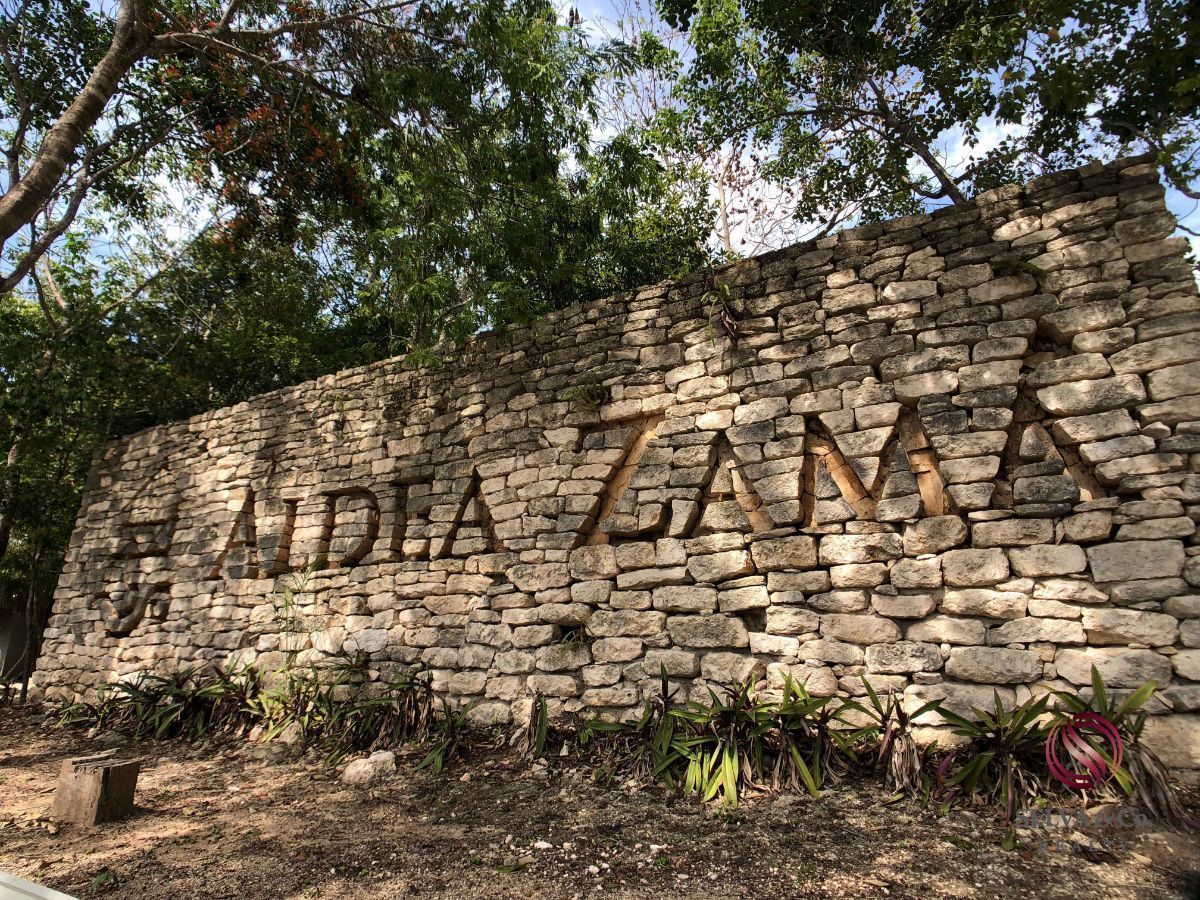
(953, 452)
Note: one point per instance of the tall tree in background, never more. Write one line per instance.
(359, 181)
(858, 103)
(751, 212)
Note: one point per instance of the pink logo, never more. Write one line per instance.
(1076, 739)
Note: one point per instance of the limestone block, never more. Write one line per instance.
(594, 563)
(918, 573)
(1079, 398)
(742, 599)
(788, 553)
(859, 629)
(676, 663)
(616, 649)
(1162, 353)
(707, 631)
(1124, 560)
(1116, 448)
(858, 575)
(533, 636)
(1035, 630)
(1065, 324)
(903, 657)
(626, 623)
(1083, 367)
(1189, 633)
(730, 668)
(539, 577)
(859, 548)
(791, 620)
(1098, 427)
(1069, 590)
(1129, 626)
(1174, 381)
(1175, 740)
(553, 685)
(831, 652)
(685, 598)
(563, 657)
(1187, 664)
(904, 606)
(717, 567)
(1012, 533)
(984, 602)
(1039, 560)
(947, 630)
(974, 568)
(994, 665)
(934, 534)
(1119, 667)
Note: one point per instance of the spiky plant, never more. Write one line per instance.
(1143, 777)
(816, 743)
(451, 733)
(726, 742)
(1005, 760)
(645, 749)
(898, 753)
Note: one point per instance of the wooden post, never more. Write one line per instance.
(95, 789)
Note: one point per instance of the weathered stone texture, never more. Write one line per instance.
(917, 459)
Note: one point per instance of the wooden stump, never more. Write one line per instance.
(95, 789)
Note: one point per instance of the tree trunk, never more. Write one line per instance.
(8, 491)
(908, 136)
(23, 200)
(32, 621)
(16, 451)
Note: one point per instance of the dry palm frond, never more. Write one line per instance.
(1152, 788)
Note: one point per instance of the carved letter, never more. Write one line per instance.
(472, 530)
(243, 534)
(355, 555)
(281, 564)
(127, 607)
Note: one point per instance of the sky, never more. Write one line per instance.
(599, 20)
(599, 17)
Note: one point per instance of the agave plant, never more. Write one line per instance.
(647, 748)
(898, 753)
(726, 743)
(532, 739)
(1005, 755)
(451, 729)
(1143, 777)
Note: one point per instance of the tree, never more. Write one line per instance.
(752, 213)
(445, 176)
(854, 102)
(84, 122)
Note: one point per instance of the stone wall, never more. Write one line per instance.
(952, 451)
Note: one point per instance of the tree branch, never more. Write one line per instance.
(22, 200)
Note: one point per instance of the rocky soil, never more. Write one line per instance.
(235, 820)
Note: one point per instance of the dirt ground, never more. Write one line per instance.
(234, 820)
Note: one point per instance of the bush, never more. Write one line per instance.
(1143, 777)
(733, 745)
(738, 743)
